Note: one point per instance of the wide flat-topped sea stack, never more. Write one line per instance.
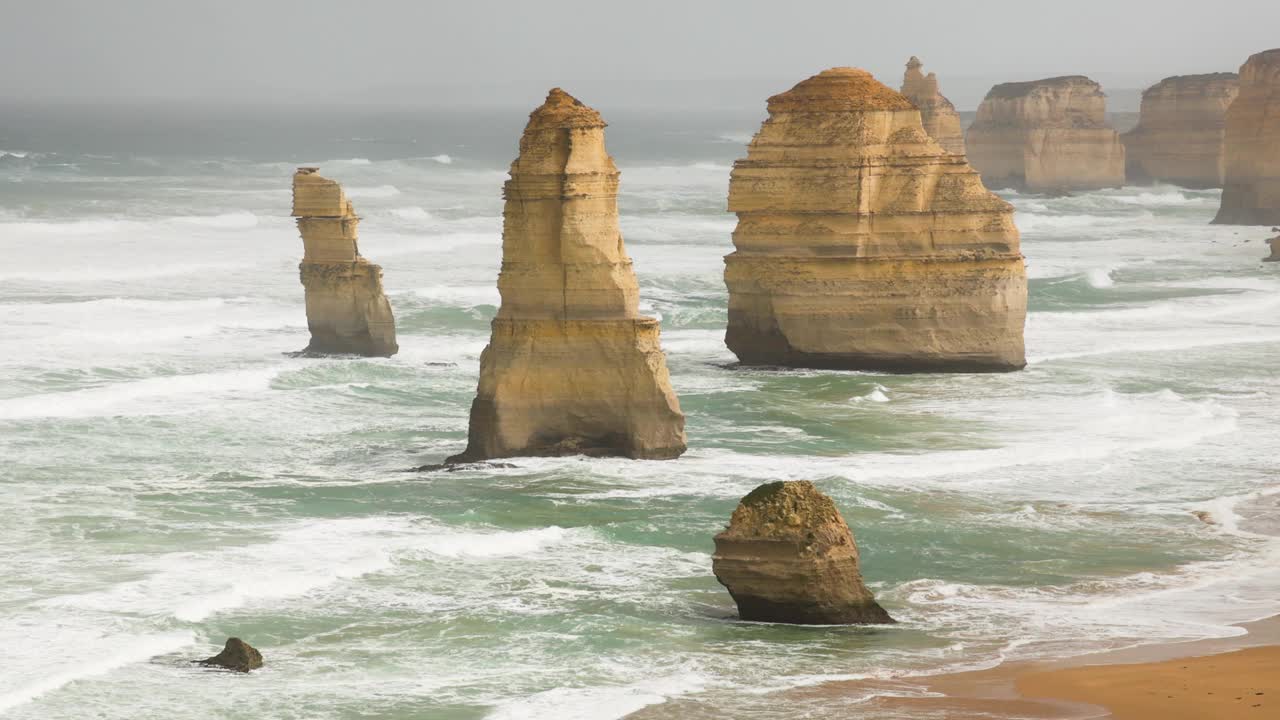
(863, 244)
(937, 114)
(1179, 137)
(788, 556)
(571, 367)
(1046, 136)
(347, 311)
(1251, 167)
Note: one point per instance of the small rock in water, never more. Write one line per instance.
(1204, 516)
(236, 655)
(788, 557)
(456, 466)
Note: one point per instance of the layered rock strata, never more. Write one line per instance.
(788, 556)
(1046, 136)
(1179, 134)
(862, 244)
(347, 311)
(571, 367)
(937, 114)
(1251, 166)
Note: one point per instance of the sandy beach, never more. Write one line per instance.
(1237, 677)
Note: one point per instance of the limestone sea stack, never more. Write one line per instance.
(347, 311)
(937, 114)
(571, 366)
(1046, 136)
(788, 556)
(1179, 134)
(1251, 169)
(862, 244)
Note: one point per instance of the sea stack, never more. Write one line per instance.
(347, 311)
(571, 366)
(1251, 169)
(862, 244)
(1179, 134)
(1047, 136)
(788, 557)
(937, 114)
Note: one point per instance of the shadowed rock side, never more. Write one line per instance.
(788, 556)
(1179, 134)
(937, 114)
(236, 655)
(1251, 167)
(1046, 136)
(862, 244)
(571, 367)
(347, 311)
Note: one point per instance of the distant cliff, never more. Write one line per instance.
(1251, 166)
(937, 114)
(1179, 138)
(1046, 136)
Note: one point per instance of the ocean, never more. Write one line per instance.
(170, 477)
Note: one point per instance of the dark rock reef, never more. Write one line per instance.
(236, 655)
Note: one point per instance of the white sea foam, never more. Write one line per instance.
(600, 703)
(497, 544)
(442, 158)
(380, 191)
(1100, 278)
(225, 221)
(150, 396)
(411, 213)
(91, 655)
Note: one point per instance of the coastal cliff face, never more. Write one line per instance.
(347, 311)
(1179, 138)
(1046, 136)
(937, 114)
(571, 366)
(862, 244)
(788, 556)
(1251, 167)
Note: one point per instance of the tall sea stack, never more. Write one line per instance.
(862, 244)
(571, 367)
(347, 311)
(1046, 136)
(1179, 137)
(938, 115)
(1251, 182)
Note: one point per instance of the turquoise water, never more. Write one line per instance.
(171, 478)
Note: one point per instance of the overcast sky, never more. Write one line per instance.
(643, 53)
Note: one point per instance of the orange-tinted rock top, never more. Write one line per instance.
(839, 90)
(564, 111)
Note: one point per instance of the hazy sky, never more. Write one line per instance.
(642, 53)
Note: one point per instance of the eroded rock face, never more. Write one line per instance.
(1251, 168)
(347, 311)
(1046, 136)
(788, 556)
(1274, 245)
(1179, 137)
(937, 114)
(862, 244)
(571, 367)
(236, 655)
